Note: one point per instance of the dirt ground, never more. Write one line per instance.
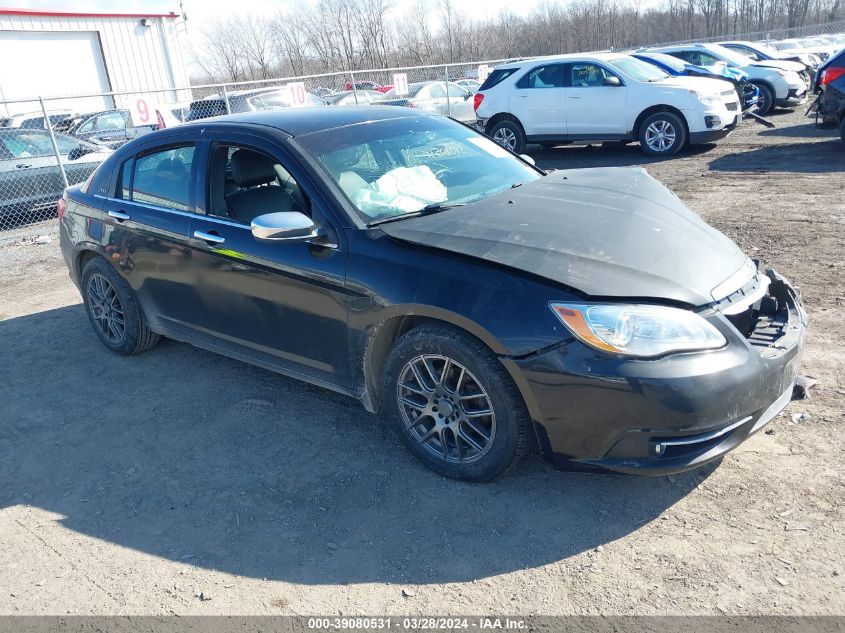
(133, 485)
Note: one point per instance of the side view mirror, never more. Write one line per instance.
(287, 226)
(527, 159)
(78, 152)
(467, 95)
(612, 81)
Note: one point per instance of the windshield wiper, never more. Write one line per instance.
(434, 207)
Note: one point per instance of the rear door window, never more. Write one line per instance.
(548, 76)
(163, 178)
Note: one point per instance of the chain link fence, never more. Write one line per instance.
(48, 144)
(770, 35)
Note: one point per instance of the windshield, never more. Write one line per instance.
(638, 69)
(666, 60)
(731, 57)
(786, 46)
(396, 167)
(771, 51)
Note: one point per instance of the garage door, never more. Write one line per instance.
(38, 63)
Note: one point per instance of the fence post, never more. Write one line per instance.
(446, 86)
(226, 100)
(49, 127)
(354, 89)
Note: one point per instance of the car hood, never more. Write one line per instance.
(782, 64)
(608, 232)
(702, 84)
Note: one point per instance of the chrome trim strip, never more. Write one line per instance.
(704, 437)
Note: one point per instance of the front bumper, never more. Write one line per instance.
(796, 95)
(667, 415)
(718, 129)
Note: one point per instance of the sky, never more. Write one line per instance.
(201, 12)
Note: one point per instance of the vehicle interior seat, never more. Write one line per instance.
(258, 193)
(289, 184)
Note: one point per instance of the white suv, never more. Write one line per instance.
(779, 81)
(602, 97)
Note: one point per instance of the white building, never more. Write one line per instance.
(60, 53)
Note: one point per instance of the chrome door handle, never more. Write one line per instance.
(576, 96)
(119, 215)
(209, 237)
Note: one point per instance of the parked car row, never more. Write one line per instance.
(450, 99)
(664, 97)
(603, 97)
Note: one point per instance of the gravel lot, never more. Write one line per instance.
(132, 485)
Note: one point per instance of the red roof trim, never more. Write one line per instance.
(84, 14)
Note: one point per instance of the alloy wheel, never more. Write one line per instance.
(660, 135)
(446, 409)
(505, 137)
(106, 308)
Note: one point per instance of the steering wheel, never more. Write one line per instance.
(440, 170)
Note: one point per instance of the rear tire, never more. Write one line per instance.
(438, 382)
(767, 100)
(662, 134)
(113, 310)
(509, 134)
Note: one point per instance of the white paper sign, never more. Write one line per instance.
(297, 93)
(142, 110)
(483, 72)
(400, 84)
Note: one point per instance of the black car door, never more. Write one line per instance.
(148, 215)
(279, 304)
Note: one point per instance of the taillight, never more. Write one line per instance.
(830, 74)
(476, 100)
(61, 205)
(160, 118)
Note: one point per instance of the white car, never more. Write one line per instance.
(602, 97)
(760, 51)
(780, 82)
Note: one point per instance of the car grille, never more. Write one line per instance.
(732, 107)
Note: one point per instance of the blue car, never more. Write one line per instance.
(748, 92)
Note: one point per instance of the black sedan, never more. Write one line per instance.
(409, 262)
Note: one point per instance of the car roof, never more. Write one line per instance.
(299, 121)
(600, 56)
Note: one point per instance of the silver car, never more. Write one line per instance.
(30, 181)
(432, 96)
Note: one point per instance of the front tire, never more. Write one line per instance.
(453, 404)
(509, 134)
(662, 134)
(113, 310)
(767, 100)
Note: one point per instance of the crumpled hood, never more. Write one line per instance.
(608, 232)
(782, 64)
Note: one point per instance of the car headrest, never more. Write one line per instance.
(250, 169)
